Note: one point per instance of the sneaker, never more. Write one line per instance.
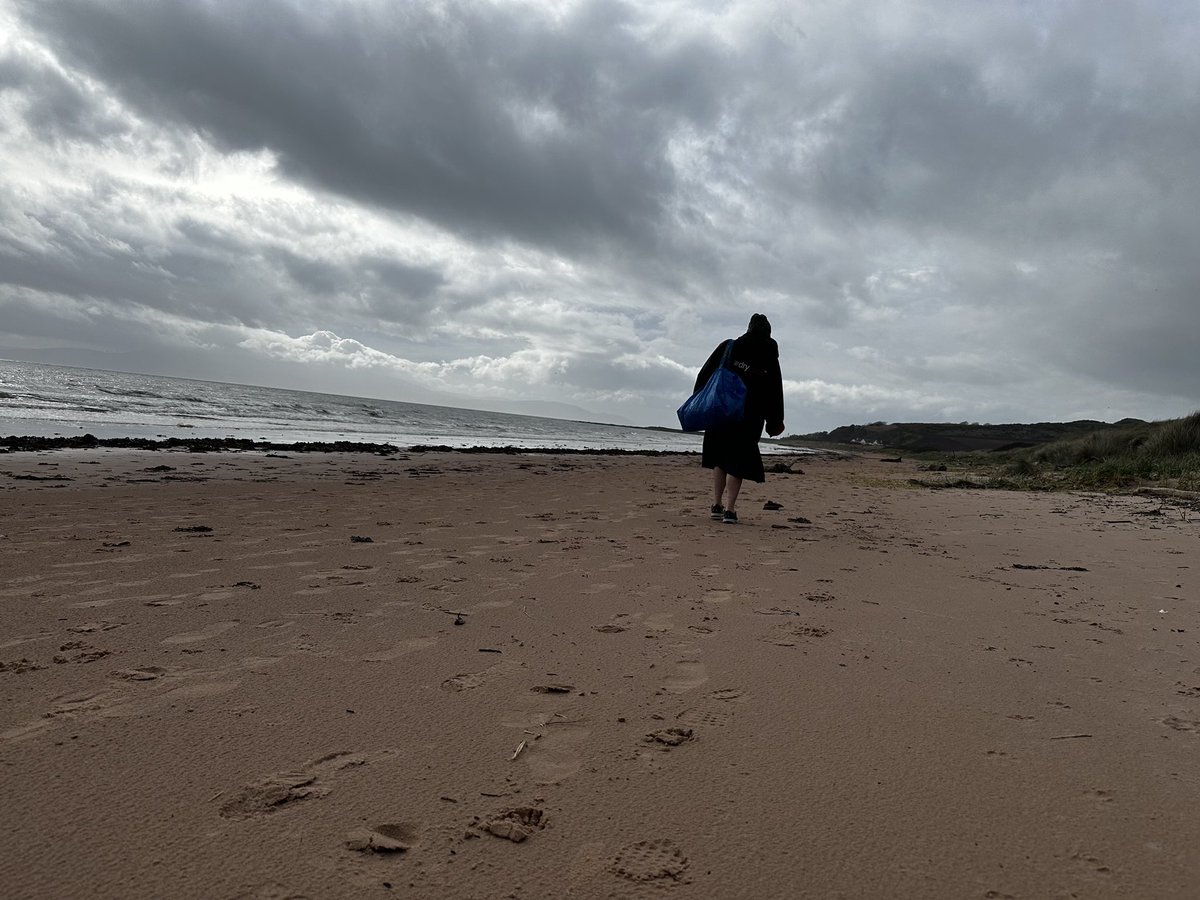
(729, 517)
(717, 510)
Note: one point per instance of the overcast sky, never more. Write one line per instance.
(949, 210)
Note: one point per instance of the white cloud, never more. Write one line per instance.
(320, 346)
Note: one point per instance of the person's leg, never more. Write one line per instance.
(735, 487)
(718, 485)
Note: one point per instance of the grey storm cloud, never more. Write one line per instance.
(378, 286)
(948, 209)
(58, 109)
(486, 120)
(413, 282)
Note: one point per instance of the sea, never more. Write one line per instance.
(48, 401)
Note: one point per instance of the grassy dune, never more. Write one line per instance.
(1146, 454)
(1163, 454)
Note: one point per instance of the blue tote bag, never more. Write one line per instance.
(722, 401)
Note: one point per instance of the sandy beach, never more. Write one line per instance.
(447, 675)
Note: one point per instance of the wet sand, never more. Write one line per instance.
(442, 675)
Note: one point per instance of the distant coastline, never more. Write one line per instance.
(947, 437)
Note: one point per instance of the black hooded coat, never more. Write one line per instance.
(734, 448)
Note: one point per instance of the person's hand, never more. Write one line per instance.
(775, 432)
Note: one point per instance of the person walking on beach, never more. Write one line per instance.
(731, 451)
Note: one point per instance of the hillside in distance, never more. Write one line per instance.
(945, 437)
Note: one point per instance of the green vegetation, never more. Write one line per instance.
(919, 437)
(1129, 455)
(1163, 454)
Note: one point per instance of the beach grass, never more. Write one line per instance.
(1164, 454)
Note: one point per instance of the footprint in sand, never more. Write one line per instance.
(272, 794)
(94, 604)
(255, 663)
(464, 682)
(272, 890)
(552, 740)
(163, 600)
(24, 664)
(516, 824)
(206, 633)
(198, 691)
(666, 738)
(696, 717)
(165, 692)
(728, 694)
(1177, 724)
(470, 680)
(196, 574)
(27, 639)
(814, 631)
(492, 604)
(610, 628)
(144, 673)
(409, 645)
(393, 837)
(79, 652)
(17, 732)
(386, 609)
(67, 706)
(556, 756)
(660, 621)
(791, 635)
(286, 789)
(689, 674)
(94, 627)
(659, 861)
